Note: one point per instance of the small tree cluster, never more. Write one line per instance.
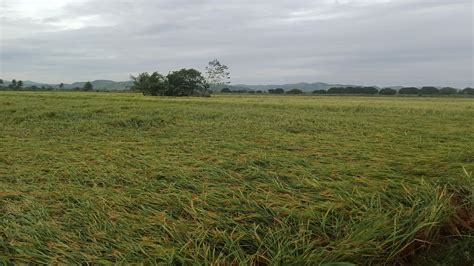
(294, 91)
(184, 82)
(276, 91)
(387, 91)
(468, 91)
(353, 90)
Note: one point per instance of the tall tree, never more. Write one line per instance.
(217, 73)
(1, 81)
(19, 84)
(61, 85)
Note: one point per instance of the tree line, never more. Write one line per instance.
(19, 86)
(367, 91)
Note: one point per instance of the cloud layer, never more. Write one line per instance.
(381, 42)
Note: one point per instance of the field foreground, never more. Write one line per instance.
(104, 177)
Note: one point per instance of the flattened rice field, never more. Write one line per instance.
(125, 178)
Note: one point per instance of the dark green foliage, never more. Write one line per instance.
(387, 91)
(187, 82)
(294, 91)
(353, 90)
(88, 87)
(429, 90)
(468, 91)
(408, 90)
(276, 91)
(153, 84)
(319, 92)
(448, 91)
(259, 92)
(227, 90)
(13, 85)
(184, 82)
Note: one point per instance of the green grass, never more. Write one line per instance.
(124, 178)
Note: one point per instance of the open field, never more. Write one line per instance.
(103, 177)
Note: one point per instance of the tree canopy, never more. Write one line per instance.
(353, 90)
(276, 91)
(217, 73)
(88, 86)
(184, 82)
(387, 91)
(408, 90)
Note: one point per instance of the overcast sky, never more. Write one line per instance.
(367, 42)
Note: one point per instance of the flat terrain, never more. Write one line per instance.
(103, 177)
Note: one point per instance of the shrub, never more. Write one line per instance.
(448, 91)
(387, 91)
(276, 91)
(429, 90)
(294, 91)
(468, 91)
(409, 90)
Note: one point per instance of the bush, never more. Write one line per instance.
(319, 92)
(276, 91)
(387, 91)
(429, 90)
(409, 90)
(353, 90)
(468, 91)
(448, 91)
(294, 91)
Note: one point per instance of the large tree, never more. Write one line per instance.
(217, 73)
(153, 84)
(187, 82)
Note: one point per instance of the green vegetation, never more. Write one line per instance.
(294, 91)
(353, 90)
(184, 82)
(387, 91)
(125, 178)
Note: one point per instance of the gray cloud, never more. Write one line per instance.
(382, 42)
